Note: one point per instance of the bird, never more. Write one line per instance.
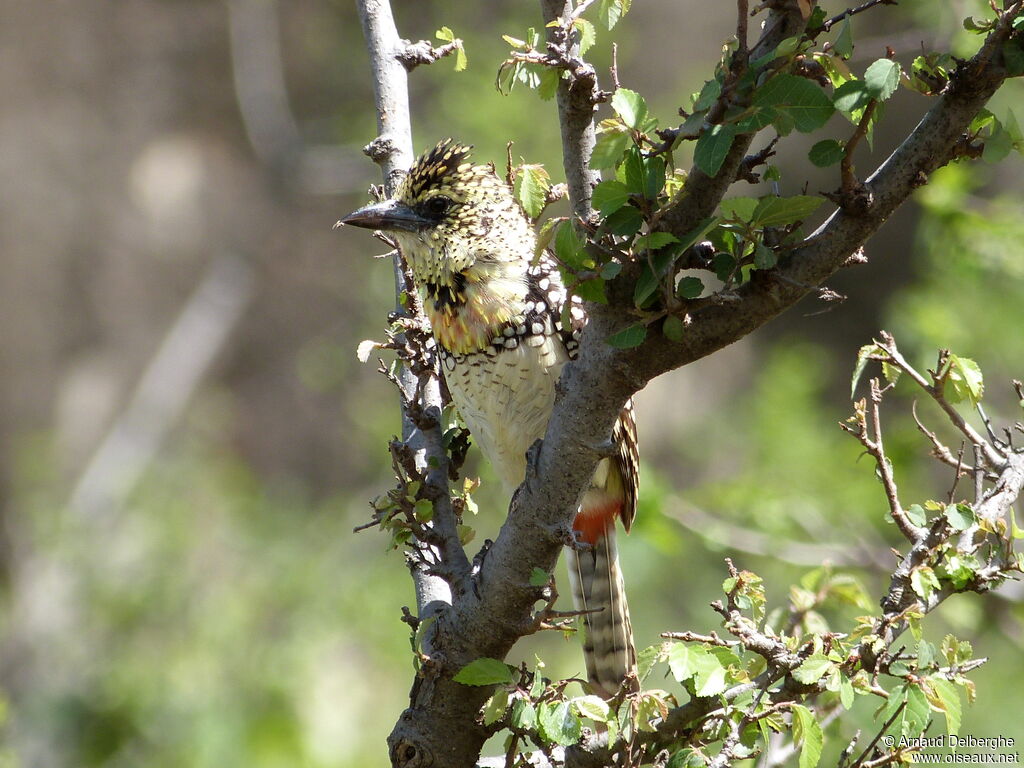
(496, 312)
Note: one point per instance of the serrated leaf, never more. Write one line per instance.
(531, 187)
(826, 153)
(812, 669)
(923, 581)
(654, 177)
(558, 723)
(960, 516)
(807, 733)
(496, 707)
(593, 707)
(588, 34)
(690, 288)
(524, 715)
(913, 719)
(538, 577)
(965, 379)
(673, 328)
(609, 149)
(569, 246)
(631, 107)
(544, 236)
(610, 12)
(917, 515)
(626, 221)
(882, 78)
(712, 148)
(630, 337)
(774, 211)
(646, 659)
(738, 208)
(609, 196)
(803, 101)
(547, 87)
(653, 241)
(847, 695)
(867, 352)
(484, 671)
(947, 699)
(709, 93)
(591, 290)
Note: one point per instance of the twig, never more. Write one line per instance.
(827, 25)
(854, 196)
(423, 52)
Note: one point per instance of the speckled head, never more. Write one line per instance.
(451, 217)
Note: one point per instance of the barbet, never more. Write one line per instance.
(496, 312)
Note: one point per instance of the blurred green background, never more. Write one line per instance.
(187, 438)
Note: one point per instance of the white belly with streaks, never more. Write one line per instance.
(506, 401)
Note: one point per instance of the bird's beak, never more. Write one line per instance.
(386, 216)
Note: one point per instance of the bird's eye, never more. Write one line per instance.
(438, 206)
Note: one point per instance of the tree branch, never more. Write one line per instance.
(577, 97)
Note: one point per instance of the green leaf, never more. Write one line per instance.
(687, 661)
(632, 171)
(813, 668)
(947, 698)
(445, 34)
(568, 246)
(610, 12)
(548, 85)
(764, 257)
(646, 659)
(914, 718)
(496, 707)
(826, 153)
(800, 99)
(654, 177)
(672, 328)
(591, 290)
(653, 241)
(960, 516)
(1013, 56)
(631, 107)
(524, 715)
(712, 148)
(588, 34)
(593, 707)
(917, 515)
(997, 146)
(738, 208)
(630, 337)
(558, 723)
(774, 211)
(924, 581)
(690, 287)
(608, 149)
(807, 733)
(843, 44)
(609, 196)
(626, 221)
(867, 352)
(484, 671)
(882, 78)
(709, 93)
(851, 96)
(847, 695)
(531, 188)
(966, 380)
(539, 577)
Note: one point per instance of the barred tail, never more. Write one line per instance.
(597, 586)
